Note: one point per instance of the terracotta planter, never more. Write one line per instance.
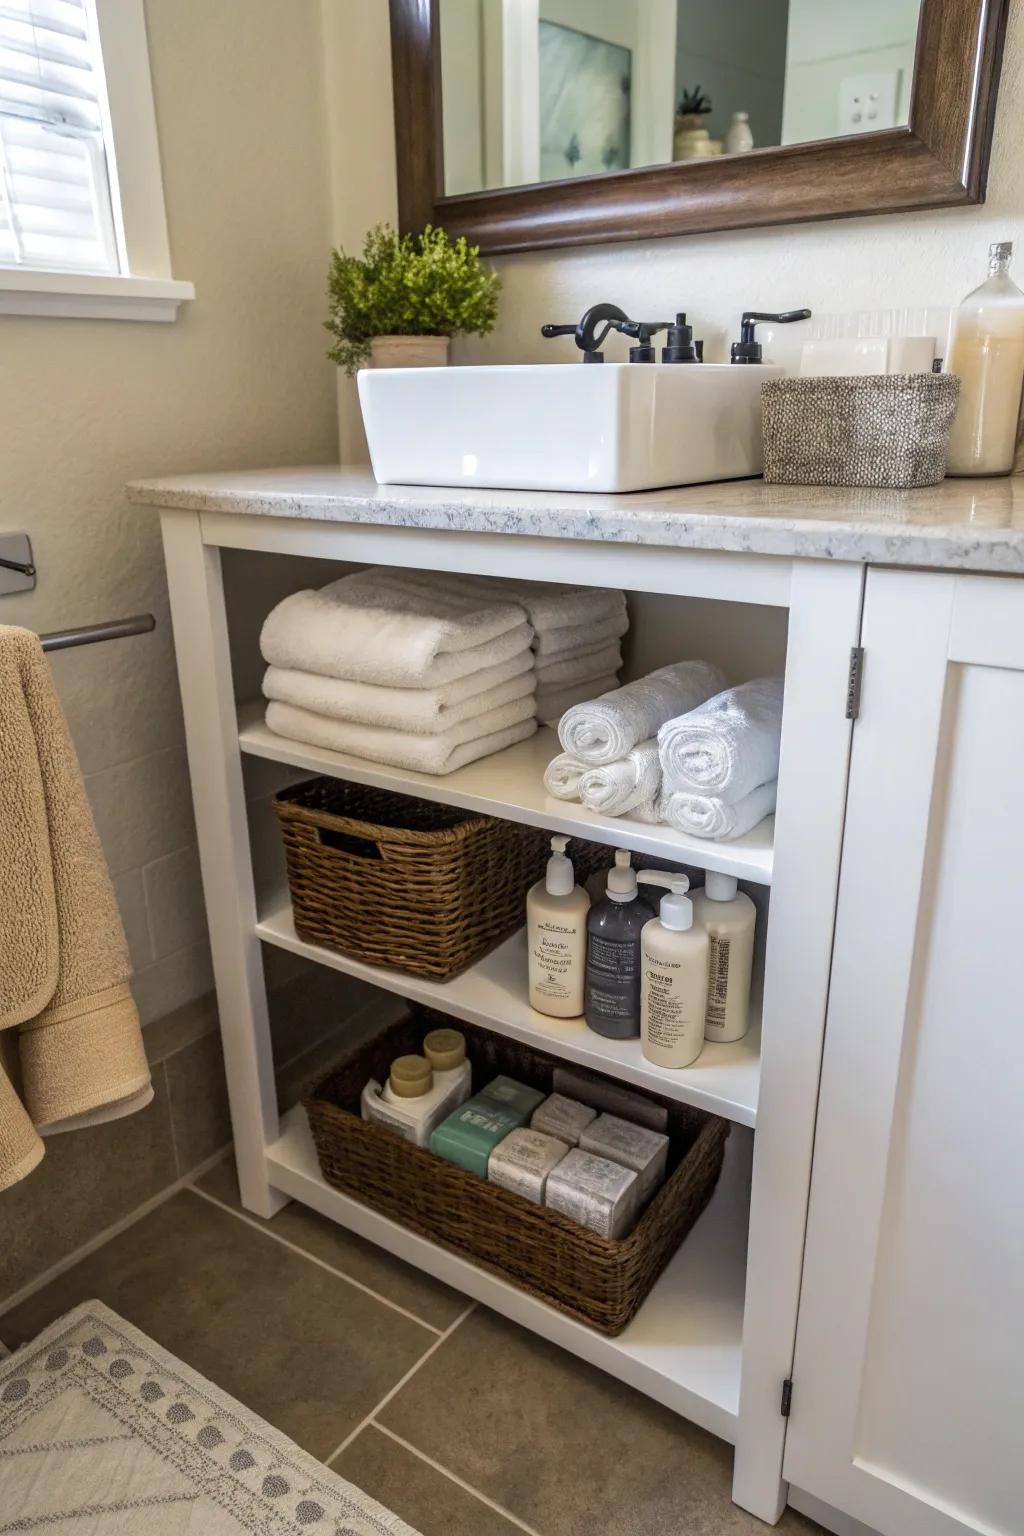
(409, 351)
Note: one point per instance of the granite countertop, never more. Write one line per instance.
(969, 525)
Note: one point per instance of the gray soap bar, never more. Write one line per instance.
(562, 1117)
(588, 1089)
(523, 1161)
(594, 1192)
(634, 1146)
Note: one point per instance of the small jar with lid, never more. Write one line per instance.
(445, 1049)
(412, 1103)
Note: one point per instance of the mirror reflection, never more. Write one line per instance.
(545, 90)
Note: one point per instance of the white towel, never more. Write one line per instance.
(706, 816)
(549, 606)
(605, 729)
(562, 776)
(574, 637)
(371, 630)
(424, 711)
(601, 660)
(442, 753)
(727, 746)
(617, 789)
(552, 703)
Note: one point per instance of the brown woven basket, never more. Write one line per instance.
(595, 1279)
(406, 883)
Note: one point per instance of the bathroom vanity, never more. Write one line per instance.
(847, 1310)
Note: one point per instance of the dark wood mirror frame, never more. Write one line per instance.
(939, 160)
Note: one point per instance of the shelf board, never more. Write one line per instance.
(683, 1346)
(510, 784)
(492, 993)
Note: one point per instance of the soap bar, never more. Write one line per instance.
(634, 1146)
(515, 1096)
(523, 1161)
(595, 1091)
(562, 1117)
(594, 1192)
(469, 1136)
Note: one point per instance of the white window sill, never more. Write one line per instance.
(87, 296)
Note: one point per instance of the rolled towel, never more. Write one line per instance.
(727, 746)
(601, 660)
(423, 711)
(618, 788)
(707, 816)
(604, 729)
(562, 776)
(372, 630)
(552, 703)
(441, 753)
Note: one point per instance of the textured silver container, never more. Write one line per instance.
(886, 430)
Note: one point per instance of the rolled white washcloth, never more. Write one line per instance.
(727, 746)
(616, 789)
(605, 729)
(562, 776)
(707, 816)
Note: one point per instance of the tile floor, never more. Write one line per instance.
(462, 1423)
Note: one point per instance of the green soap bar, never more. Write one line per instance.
(506, 1091)
(470, 1134)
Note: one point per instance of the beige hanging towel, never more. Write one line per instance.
(64, 964)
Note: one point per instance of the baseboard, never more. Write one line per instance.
(832, 1519)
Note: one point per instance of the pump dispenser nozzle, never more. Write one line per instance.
(622, 878)
(560, 877)
(676, 909)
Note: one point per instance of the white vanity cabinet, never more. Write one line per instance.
(908, 1382)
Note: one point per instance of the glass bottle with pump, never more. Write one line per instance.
(556, 922)
(674, 981)
(988, 356)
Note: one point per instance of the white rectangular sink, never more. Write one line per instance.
(565, 426)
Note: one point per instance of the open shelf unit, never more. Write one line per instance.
(682, 1348)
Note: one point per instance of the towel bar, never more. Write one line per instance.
(89, 634)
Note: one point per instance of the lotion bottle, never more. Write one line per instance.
(612, 993)
(729, 917)
(556, 922)
(674, 982)
(988, 356)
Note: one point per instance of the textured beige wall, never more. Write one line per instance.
(239, 380)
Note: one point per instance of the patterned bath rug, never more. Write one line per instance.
(103, 1433)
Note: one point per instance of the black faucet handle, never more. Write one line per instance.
(558, 330)
(747, 349)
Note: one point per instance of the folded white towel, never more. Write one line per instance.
(728, 745)
(574, 637)
(706, 816)
(601, 660)
(552, 703)
(605, 729)
(618, 788)
(373, 630)
(562, 613)
(424, 711)
(442, 753)
(562, 776)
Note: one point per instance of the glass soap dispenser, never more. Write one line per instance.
(988, 356)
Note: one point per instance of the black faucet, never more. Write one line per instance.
(590, 339)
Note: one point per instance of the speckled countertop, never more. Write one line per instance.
(969, 525)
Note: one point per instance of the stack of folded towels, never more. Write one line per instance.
(427, 671)
(676, 747)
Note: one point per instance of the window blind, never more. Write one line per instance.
(55, 201)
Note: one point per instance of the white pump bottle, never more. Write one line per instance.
(674, 980)
(729, 918)
(556, 922)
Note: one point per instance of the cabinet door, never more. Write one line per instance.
(908, 1383)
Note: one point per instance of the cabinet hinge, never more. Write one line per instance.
(853, 681)
(787, 1397)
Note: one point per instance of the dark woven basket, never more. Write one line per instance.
(595, 1279)
(406, 883)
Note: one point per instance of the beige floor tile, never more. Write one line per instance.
(428, 1500)
(427, 1299)
(296, 1344)
(566, 1448)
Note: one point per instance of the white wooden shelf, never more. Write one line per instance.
(683, 1346)
(511, 784)
(724, 1078)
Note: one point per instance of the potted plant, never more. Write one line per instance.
(691, 140)
(399, 304)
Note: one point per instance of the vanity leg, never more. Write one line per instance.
(211, 732)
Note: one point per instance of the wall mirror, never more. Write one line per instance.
(537, 123)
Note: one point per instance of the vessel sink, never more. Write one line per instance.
(565, 426)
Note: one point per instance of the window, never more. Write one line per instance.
(82, 225)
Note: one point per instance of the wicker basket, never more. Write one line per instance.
(406, 883)
(594, 1279)
(887, 430)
